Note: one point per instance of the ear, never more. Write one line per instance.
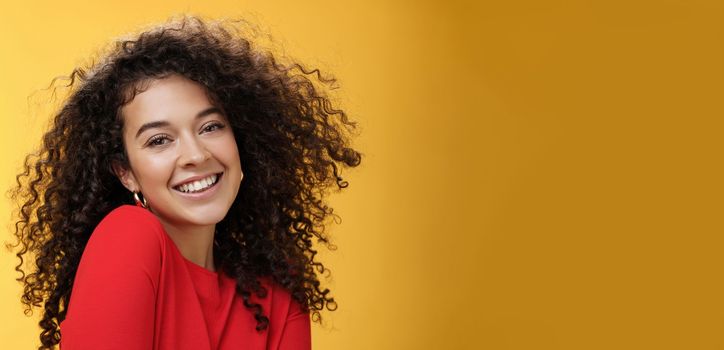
(126, 176)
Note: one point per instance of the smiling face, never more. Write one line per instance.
(182, 153)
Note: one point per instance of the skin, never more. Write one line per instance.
(195, 141)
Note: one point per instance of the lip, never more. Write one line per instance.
(203, 194)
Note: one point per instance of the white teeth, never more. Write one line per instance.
(198, 185)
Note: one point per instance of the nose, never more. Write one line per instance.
(193, 151)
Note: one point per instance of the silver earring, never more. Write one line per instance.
(140, 203)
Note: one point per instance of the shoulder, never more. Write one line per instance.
(131, 216)
(133, 223)
(124, 252)
(117, 281)
(284, 306)
(128, 233)
(289, 322)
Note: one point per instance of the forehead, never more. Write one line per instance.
(173, 99)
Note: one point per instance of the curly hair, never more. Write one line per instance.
(291, 140)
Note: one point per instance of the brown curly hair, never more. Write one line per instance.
(291, 140)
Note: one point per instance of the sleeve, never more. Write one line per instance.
(112, 303)
(297, 334)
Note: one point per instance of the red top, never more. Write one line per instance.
(134, 290)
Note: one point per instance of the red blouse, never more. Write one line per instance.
(134, 290)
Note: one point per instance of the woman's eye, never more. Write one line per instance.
(157, 140)
(213, 126)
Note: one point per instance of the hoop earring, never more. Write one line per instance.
(140, 203)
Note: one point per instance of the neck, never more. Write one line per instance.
(196, 243)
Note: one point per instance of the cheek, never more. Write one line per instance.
(237, 162)
(230, 153)
(155, 169)
(230, 158)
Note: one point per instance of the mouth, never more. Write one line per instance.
(199, 186)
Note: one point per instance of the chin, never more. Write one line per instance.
(210, 216)
(196, 216)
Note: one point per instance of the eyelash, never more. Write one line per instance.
(152, 141)
(218, 125)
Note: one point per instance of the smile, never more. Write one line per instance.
(199, 186)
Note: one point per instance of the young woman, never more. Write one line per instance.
(173, 202)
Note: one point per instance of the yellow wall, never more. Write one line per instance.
(538, 174)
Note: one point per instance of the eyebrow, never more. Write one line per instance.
(162, 123)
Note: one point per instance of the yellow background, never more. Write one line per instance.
(537, 174)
